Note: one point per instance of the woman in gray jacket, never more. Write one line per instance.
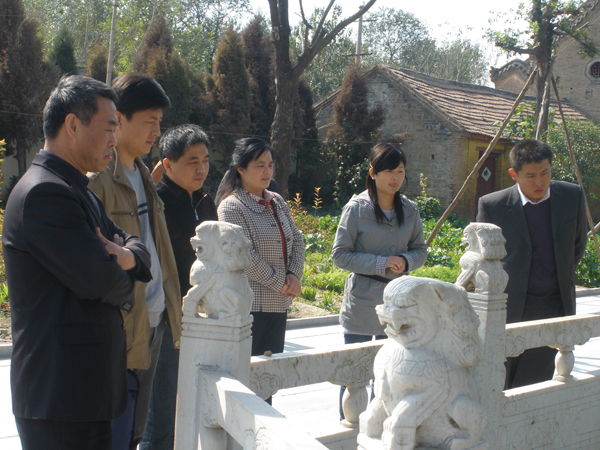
(379, 238)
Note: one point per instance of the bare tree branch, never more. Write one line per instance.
(307, 26)
(320, 44)
(322, 21)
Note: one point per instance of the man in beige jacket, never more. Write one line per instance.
(130, 199)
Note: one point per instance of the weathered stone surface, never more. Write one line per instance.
(220, 288)
(481, 267)
(424, 393)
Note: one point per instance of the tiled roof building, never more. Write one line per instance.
(449, 125)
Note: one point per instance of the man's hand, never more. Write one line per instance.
(397, 264)
(125, 257)
(291, 287)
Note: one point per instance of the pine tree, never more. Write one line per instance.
(25, 81)
(228, 95)
(158, 59)
(157, 41)
(97, 63)
(353, 134)
(259, 53)
(62, 53)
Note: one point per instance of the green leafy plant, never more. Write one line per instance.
(588, 270)
(429, 207)
(309, 293)
(327, 301)
(448, 274)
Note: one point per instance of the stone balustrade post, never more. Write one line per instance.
(564, 361)
(354, 402)
(482, 274)
(216, 332)
(490, 373)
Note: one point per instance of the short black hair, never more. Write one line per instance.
(77, 95)
(529, 151)
(139, 92)
(177, 139)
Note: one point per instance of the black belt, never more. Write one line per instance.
(375, 277)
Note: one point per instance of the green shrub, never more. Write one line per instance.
(447, 248)
(429, 207)
(449, 274)
(331, 281)
(309, 293)
(327, 301)
(588, 271)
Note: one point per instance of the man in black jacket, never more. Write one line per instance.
(184, 157)
(544, 224)
(69, 269)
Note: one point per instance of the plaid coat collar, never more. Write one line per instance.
(251, 203)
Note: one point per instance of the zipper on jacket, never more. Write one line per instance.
(199, 201)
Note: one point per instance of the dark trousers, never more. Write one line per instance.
(160, 429)
(355, 339)
(127, 438)
(535, 365)
(268, 334)
(41, 434)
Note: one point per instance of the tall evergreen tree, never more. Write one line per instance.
(228, 95)
(97, 63)
(158, 59)
(157, 43)
(353, 134)
(25, 81)
(62, 53)
(259, 54)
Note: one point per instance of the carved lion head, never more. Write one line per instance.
(422, 312)
(224, 243)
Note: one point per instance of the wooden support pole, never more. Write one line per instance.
(473, 173)
(596, 228)
(576, 167)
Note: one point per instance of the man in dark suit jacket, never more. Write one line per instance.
(69, 269)
(544, 224)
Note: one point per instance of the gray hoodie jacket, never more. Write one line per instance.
(362, 246)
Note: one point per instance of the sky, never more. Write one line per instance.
(446, 19)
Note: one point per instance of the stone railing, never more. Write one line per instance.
(447, 390)
(346, 365)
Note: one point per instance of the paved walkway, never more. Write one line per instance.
(314, 407)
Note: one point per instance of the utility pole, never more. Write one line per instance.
(109, 65)
(359, 40)
(359, 53)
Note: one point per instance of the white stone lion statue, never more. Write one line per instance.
(481, 267)
(220, 288)
(424, 393)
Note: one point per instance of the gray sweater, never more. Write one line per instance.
(362, 246)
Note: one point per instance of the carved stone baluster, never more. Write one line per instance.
(354, 402)
(216, 332)
(565, 360)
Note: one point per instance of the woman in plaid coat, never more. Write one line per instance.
(277, 245)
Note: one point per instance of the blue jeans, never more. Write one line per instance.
(160, 428)
(355, 339)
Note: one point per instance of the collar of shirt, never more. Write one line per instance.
(65, 169)
(267, 196)
(525, 200)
